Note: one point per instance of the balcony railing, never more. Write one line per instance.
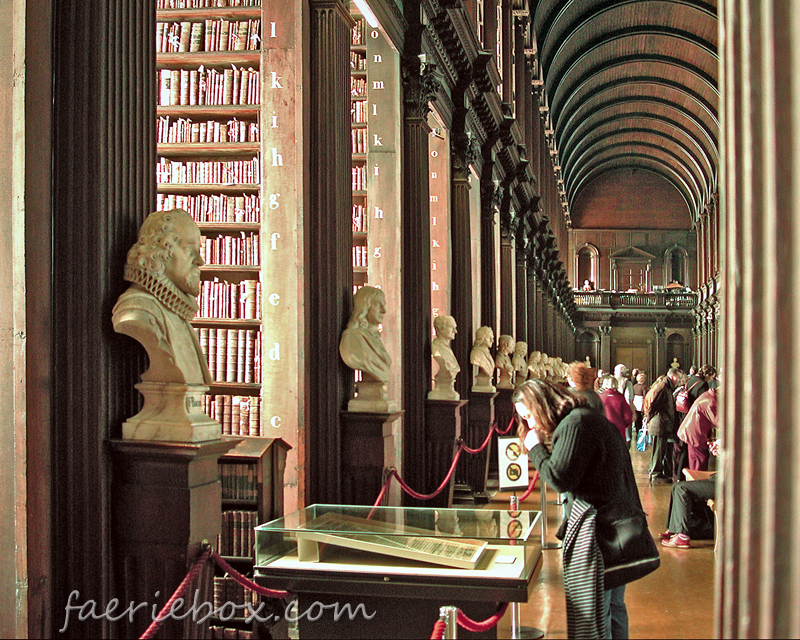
(617, 300)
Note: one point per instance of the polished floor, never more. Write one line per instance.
(676, 601)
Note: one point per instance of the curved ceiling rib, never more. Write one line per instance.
(652, 151)
(632, 83)
(651, 134)
(697, 150)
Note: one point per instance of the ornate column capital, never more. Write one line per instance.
(420, 86)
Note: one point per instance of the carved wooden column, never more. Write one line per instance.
(328, 243)
(521, 309)
(419, 87)
(103, 186)
(531, 313)
(507, 272)
(605, 347)
(540, 317)
(758, 582)
(462, 293)
(490, 195)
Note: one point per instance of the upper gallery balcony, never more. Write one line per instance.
(683, 301)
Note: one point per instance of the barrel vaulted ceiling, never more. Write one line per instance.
(631, 84)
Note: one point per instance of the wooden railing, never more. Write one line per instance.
(616, 300)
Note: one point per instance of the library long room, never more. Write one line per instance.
(399, 319)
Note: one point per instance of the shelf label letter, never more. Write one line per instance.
(376, 170)
(274, 299)
(377, 58)
(274, 122)
(376, 252)
(275, 421)
(374, 109)
(277, 158)
(435, 243)
(434, 154)
(275, 352)
(377, 84)
(433, 220)
(276, 81)
(377, 141)
(434, 198)
(435, 286)
(273, 200)
(274, 241)
(378, 212)
(434, 175)
(272, 30)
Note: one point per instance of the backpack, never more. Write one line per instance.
(683, 401)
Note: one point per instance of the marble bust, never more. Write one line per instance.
(361, 348)
(502, 362)
(520, 362)
(534, 370)
(442, 353)
(481, 357)
(164, 269)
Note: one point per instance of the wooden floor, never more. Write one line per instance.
(676, 601)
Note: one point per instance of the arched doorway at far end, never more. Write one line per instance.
(677, 348)
(588, 344)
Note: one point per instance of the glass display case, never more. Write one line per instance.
(399, 563)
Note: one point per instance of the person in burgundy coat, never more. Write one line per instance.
(696, 429)
(618, 411)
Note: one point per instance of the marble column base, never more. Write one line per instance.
(172, 412)
(371, 398)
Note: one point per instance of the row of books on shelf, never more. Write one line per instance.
(358, 87)
(358, 62)
(360, 256)
(358, 141)
(208, 171)
(358, 112)
(202, 86)
(183, 130)
(233, 355)
(239, 481)
(214, 208)
(238, 536)
(226, 589)
(358, 33)
(359, 219)
(210, 35)
(238, 415)
(241, 250)
(205, 4)
(358, 175)
(229, 300)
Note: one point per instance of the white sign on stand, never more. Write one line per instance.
(512, 464)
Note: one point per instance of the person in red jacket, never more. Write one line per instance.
(618, 411)
(696, 429)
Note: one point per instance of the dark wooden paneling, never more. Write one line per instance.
(630, 199)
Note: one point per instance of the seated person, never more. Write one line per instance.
(688, 513)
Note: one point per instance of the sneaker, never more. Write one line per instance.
(678, 541)
(666, 535)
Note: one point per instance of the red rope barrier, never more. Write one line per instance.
(428, 496)
(438, 630)
(530, 486)
(245, 582)
(484, 625)
(485, 442)
(508, 428)
(155, 625)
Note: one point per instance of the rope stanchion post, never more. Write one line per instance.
(450, 615)
(545, 543)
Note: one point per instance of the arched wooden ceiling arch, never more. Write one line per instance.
(632, 83)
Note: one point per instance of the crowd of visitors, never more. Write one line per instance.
(579, 438)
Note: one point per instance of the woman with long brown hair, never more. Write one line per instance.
(606, 540)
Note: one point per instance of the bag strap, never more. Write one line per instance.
(695, 384)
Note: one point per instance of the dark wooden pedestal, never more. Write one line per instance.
(473, 468)
(443, 420)
(503, 411)
(368, 447)
(166, 500)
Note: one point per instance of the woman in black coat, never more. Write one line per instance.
(606, 540)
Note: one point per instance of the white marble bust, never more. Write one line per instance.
(481, 357)
(502, 362)
(520, 362)
(442, 353)
(164, 269)
(361, 348)
(534, 370)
